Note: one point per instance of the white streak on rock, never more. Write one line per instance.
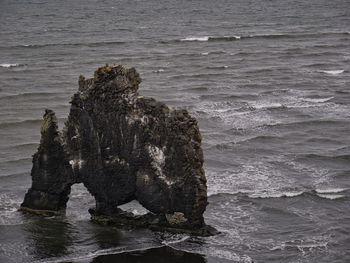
(158, 162)
(78, 163)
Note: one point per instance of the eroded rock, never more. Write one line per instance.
(52, 175)
(124, 147)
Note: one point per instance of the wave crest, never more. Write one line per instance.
(332, 72)
(9, 65)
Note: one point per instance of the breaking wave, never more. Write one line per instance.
(332, 72)
(211, 38)
(266, 36)
(9, 65)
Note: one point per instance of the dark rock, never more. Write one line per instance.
(52, 175)
(123, 147)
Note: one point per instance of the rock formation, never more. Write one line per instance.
(52, 175)
(122, 147)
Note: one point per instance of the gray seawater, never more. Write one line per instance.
(269, 82)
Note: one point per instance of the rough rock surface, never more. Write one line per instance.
(52, 175)
(122, 147)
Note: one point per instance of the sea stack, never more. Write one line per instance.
(123, 146)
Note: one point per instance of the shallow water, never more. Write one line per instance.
(268, 82)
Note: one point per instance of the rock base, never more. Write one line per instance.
(42, 212)
(151, 221)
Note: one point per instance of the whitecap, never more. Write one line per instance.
(333, 72)
(330, 196)
(230, 37)
(6, 65)
(320, 100)
(330, 190)
(276, 195)
(205, 53)
(195, 39)
(158, 70)
(268, 105)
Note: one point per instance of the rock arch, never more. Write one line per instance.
(122, 147)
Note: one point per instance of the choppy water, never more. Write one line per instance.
(269, 82)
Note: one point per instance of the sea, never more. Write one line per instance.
(268, 82)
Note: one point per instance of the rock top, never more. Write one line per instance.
(122, 147)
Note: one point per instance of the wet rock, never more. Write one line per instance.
(125, 147)
(52, 175)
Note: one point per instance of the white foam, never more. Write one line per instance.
(330, 196)
(158, 70)
(175, 240)
(276, 194)
(195, 39)
(267, 105)
(222, 253)
(90, 255)
(235, 116)
(256, 180)
(330, 190)
(333, 72)
(205, 53)
(228, 37)
(304, 245)
(5, 65)
(320, 100)
(9, 204)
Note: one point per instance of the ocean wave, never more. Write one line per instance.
(22, 122)
(331, 193)
(255, 180)
(88, 44)
(211, 38)
(330, 196)
(101, 252)
(261, 180)
(267, 105)
(9, 65)
(302, 245)
(215, 52)
(158, 70)
(27, 159)
(266, 36)
(217, 67)
(332, 72)
(344, 157)
(33, 95)
(195, 39)
(330, 190)
(12, 175)
(320, 100)
(9, 204)
(277, 195)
